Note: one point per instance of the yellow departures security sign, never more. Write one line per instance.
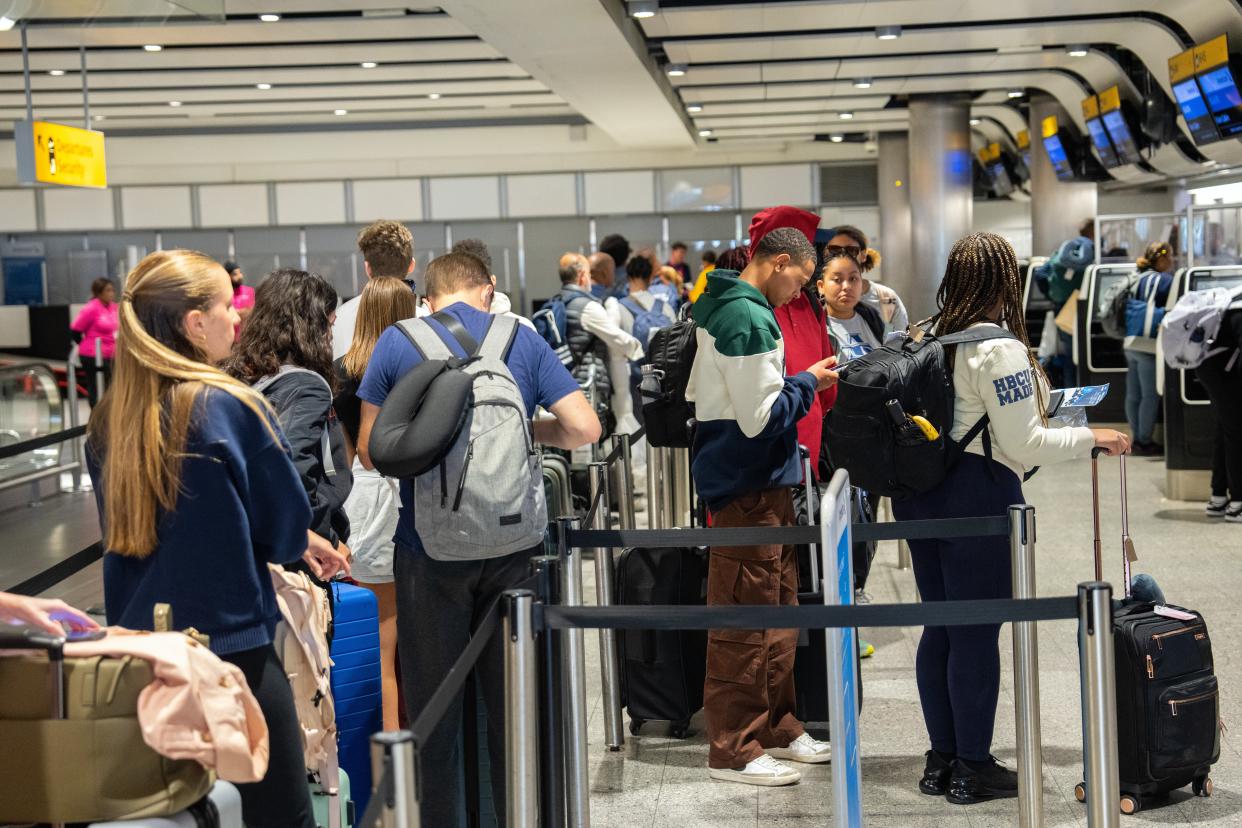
(49, 153)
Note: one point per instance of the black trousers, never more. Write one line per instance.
(90, 375)
(1224, 388)
(439, 606)
(282, 798)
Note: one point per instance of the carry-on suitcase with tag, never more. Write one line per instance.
(662, 671)
(356, 685)
(1168, 711)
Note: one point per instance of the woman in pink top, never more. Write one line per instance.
(96, 327)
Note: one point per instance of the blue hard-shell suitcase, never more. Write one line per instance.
(356, 683)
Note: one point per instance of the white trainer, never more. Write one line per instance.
(804, 749)
(764, 771)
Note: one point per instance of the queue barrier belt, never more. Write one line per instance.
(437, 706)
(42, 441)
(974, 527)
(927, 614)
(59, 571)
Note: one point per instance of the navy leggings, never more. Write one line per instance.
(958, 668)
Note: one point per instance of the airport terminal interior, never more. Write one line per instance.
(1089, 154)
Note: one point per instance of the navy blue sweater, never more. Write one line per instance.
(242, 505)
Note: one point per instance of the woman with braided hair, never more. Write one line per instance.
(958, 668)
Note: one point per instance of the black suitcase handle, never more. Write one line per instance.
(25, 638)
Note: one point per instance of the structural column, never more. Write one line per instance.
(893, 186)
(940, 192)
(1057, 207)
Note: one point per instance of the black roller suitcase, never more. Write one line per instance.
(662, 671)
(1168, 708)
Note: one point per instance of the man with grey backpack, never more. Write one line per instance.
(474, 514)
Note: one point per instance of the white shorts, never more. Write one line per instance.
(372, 509)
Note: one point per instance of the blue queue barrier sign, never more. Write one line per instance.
(842, 643)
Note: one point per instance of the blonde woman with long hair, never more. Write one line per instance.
(197, 494)
(372, 505)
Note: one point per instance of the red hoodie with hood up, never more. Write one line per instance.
(802, 326)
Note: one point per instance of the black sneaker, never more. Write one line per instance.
(936, 773)
(973, 782)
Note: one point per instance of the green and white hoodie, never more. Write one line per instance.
(747, 409)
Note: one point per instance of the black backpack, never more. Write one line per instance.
(869, 432)
(667, 416)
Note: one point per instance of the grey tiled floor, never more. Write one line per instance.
(658, 781)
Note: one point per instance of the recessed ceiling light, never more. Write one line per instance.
(1016, 93)
(6, 23)
(862, 83)
(270, 18)
(836, 138)
(56, 73)
(642, 9)
(435, 96)
(340, 112)
(262, 86)
(369, 64)
(153, 47)
(888, 32)
(846, 116)
(705, 133)
(1076, 50)
(694, 107)
(975, 122)
(97, 117)
(675, 70)
(174, 103)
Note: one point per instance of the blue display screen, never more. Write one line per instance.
(1000, 178)
(1195, 111)
(1060, 161)
(1102, 145)
(1119, 131)
(1223, 99)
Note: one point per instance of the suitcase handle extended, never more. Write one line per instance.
(1127, 544)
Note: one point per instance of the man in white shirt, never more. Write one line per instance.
(593, 334)
(387, 250)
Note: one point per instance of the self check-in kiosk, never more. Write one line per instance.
(1100, 358)
(1035, 305)
(1189, 422)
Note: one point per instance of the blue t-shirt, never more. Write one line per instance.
(539, 374)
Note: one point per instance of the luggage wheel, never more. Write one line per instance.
(636, 725)
(679, 730)
(1130, 804)
(1202, 786)
(1080, 792)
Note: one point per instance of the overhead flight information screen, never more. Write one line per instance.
(1195, 111)
(1099, 138)
(1223, 99)
(1119, 131)
(1060, 161)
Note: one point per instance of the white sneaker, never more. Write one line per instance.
(1234, 513)
(804, 749)
(1217, 506)
(764, 771)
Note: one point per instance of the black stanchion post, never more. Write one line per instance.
(551, 766)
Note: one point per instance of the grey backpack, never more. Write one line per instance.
(485, 497)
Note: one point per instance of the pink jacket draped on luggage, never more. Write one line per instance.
(198, 707)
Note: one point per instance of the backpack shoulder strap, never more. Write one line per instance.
(981, 334)
(263, 383)
(633, 307)
(451, 324)
(872, 317)
(499, 339)
(424, 339)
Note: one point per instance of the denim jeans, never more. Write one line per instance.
(1142, 401)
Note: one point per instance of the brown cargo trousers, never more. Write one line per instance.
(748, 697)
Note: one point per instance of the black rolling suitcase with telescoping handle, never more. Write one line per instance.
(1168, 709)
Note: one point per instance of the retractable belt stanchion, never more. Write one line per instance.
(668, 488)
(655, 456)
(551, 767)
(71, 388)
(521, 710)
(624, 479)
(99, 375)
(680, 493)
(394, 766)
(610, 668)
(1026, 673)
(573, 685)
(1099, 700)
